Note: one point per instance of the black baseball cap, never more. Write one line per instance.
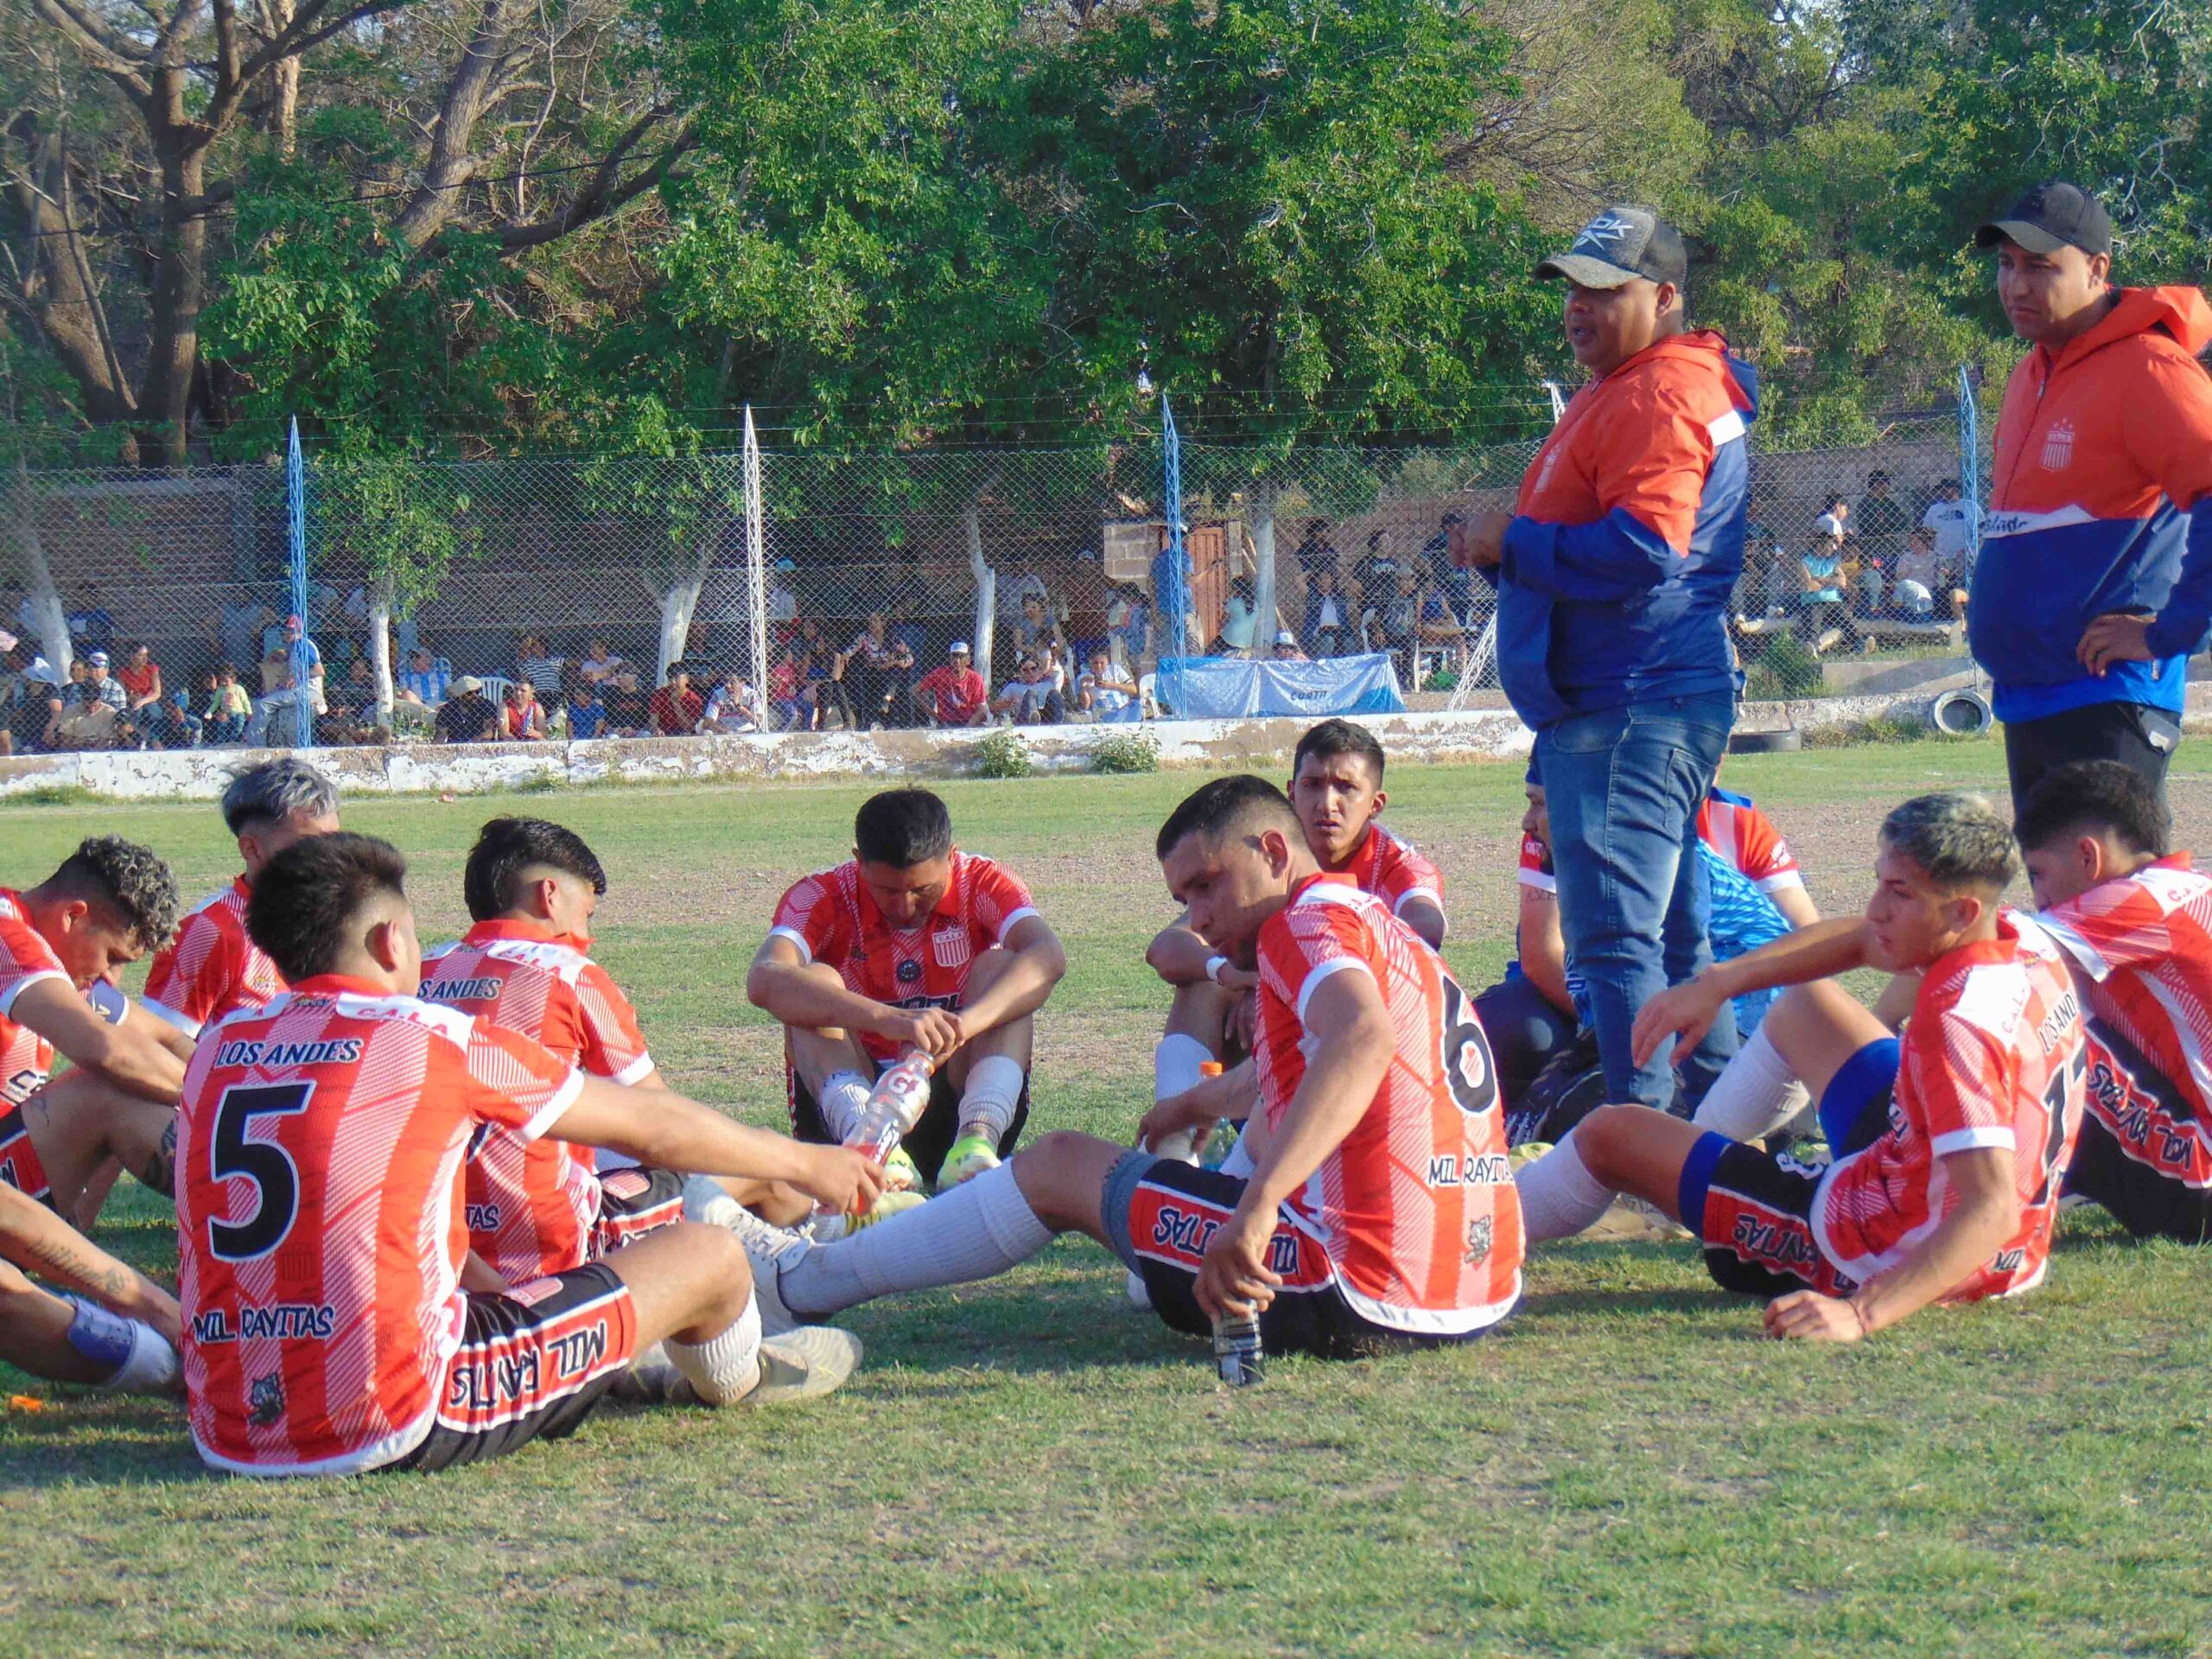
(2050, 216)
(1618, 246)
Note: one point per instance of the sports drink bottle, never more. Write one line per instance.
(894, 1106)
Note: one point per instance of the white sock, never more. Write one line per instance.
(1559, 1197)
(152, 1368)
(1239, 1163)
(993, 1094)
(722, 1369)
(1175, 1062)
(980, 1228)
(1754, 1095)
(842, 1099)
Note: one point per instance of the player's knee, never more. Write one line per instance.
(14, 1287)
(1047, 1170)
(1607, 1140)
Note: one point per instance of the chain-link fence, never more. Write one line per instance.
(639, 596)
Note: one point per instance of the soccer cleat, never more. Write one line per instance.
(971, 1156)
(1526, 1153)
(899, 1174)
(1140, 1295)
(804, 1363)
(830, 1228)
(649, 1379)
(1632, 1218)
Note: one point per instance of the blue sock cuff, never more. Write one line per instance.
(101, 1336)
(1697, 1176)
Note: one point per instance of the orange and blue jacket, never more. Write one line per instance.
(2101, 500)
(1628, 537)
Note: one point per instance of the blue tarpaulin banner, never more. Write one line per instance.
(1226, 688)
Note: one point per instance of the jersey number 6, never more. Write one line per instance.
(270, 1167)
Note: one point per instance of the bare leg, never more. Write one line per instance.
(687, 1281)
(1639, 1151)
(94, 1195)
(1816, 1028)
(1014, 1040)
(1063, 1177)
(818, 1053)
(34, 1332)
(773, 1201)
(79, 1123)
(1201, 1011)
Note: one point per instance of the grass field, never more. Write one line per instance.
(1030, 1466)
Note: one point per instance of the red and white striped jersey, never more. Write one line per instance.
(26, 1057)
(1994, 1056)
(531, 1204)
(1735, 827)
(831, 917)
(1393, 871)
(1416, 1206)
(211, 967)
(2143, 945)
(318, 1217)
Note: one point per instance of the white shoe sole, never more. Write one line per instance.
(804, 1363)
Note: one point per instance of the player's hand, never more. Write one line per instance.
(933, 1031)
(1234, 1278)
(2115, 636)
(1690, 1008)
(1807, 1316)
(841, 1179)
(1194, 1110)
(1233, 978)
(1480, 543)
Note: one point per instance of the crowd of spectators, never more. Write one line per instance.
(1868, 572)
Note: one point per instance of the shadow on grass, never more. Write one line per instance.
(91, 1439)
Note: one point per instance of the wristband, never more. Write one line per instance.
(1214, 965)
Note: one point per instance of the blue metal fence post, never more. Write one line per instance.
(1970, 464)
(295, 510)
(1176, 578)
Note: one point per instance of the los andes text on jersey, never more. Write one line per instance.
(328, 1051)
(463, 991)
(284, 1321)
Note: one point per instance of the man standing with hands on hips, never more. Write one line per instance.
(1613, 574)
(2095, 582)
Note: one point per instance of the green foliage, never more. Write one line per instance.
(1126, 752)
(1784, 671)
(1003, 754)
(403, 518)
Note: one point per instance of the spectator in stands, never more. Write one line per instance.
(26, 696)
(788, 708)
(282, 712)
(869, 672)
(169, 723)
(581, 707)
(521, 719)
(1820, 585)
(1375, 576)
(1030, 699)
(1239, 621)
(91, 627)
(599, 664)
(783, 603)
(1953, 521)
(1286, 648)
(1088, 597)
(140, 677)
(1328, 628)
(629, 712)
(1881, 523)
(424, 682)
(1314, 550)
(1013, 590)
(953, 693)
(466, 715)
(1034, 628)
(734, 707)
(306, 661)
(1441, 572)
(822, 683)
(227, 710)
(237, 628)
(1104, 691)
(1917, 576)
(1869, 585)
(95, 707)
(1392, 622)
(1834, 526)
(538, 665)
(677, 708)
(1128, 625)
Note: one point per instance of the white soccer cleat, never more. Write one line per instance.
(1633, 1219)
(803, 1363)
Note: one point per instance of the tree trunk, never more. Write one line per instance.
(987, 586)
(1264, 619)
(179, 274)
(380, 651)
(38, 578)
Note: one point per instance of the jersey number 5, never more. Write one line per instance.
(270, 1167)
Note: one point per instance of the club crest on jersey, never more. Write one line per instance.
(1480, 1231)
(951, 947)
(264, 1400)
(2058, 447)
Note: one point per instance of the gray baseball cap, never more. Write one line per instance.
(1618, 246)
(2050, 216)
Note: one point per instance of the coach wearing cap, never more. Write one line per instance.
(2095, 582)
(1613, 575)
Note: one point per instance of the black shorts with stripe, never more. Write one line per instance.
(531, 1366)
(19, 1160)
(634, 1200)
(927, 1143)
(2143, 1153)
(1160, 1213)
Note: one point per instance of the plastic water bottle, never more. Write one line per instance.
(894, 1106)
(1179, 1145)
(1236, 1357)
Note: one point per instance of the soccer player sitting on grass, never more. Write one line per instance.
(539, 1207)
(1948, 1149)
(911, 943)
(1335, 789)
(2137, 920)
(211, 968)
(320, 1220)
(59, 943)
(1379, 1211)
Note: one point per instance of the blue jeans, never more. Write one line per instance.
(1624, 788)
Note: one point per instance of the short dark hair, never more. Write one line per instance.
(1335, 737)
(306, 902)
(1223, 806)
(272, 791)
(1878, 476)
(1956, 838)
(491, 884)
(902, 828)
(127, 879)
(2095, 795)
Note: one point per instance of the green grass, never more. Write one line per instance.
(1030, 1466)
